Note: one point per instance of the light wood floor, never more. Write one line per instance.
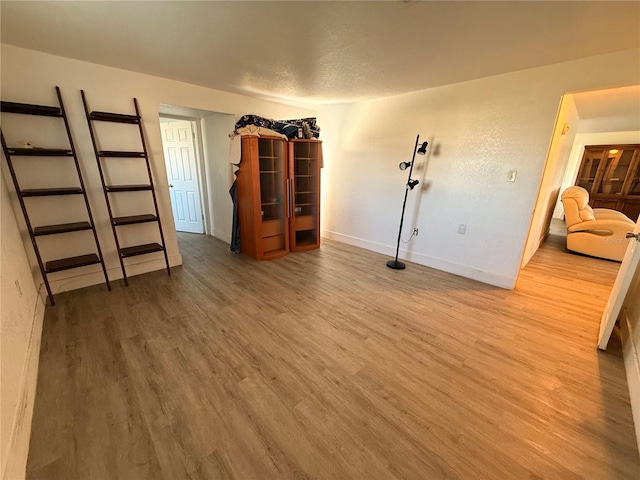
(329, 365)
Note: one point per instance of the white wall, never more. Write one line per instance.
(29, 77)
(577, 151)
(21, 314)
(218, 171)
(557, 159)
(480, 130)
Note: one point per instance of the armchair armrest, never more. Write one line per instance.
(606, 213)
(617, 228)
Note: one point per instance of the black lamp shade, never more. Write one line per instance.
(423, 148)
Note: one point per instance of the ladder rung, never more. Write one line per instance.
(141, 249)
(71, 262)
(116, 154)
(41, 152)
(147, 217)
(126, 188)
(45, 192)
(61, 228)
(28, 109)
(114, 117)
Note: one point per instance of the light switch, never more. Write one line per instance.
(511, 176)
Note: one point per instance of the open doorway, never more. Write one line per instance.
(179, 140)
(604, 117)
(203, 205)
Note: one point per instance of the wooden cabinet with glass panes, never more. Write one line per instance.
(305, 160)
(611, 175)
(278, 196)
(262, 198)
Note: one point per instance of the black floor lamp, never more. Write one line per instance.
(395, 264)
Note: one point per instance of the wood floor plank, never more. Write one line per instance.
(326, 364)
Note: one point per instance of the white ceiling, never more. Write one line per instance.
(611, 110)
(613, 102)
(322, 52)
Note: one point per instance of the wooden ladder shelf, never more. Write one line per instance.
(52, 266)
(118, 221)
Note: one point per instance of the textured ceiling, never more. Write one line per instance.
(322, 52)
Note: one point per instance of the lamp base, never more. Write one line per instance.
(395, 264)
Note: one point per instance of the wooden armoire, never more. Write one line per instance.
(278, 196)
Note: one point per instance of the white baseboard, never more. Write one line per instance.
(18, 451)
(632, 367)
(73, 281)
(483, 276)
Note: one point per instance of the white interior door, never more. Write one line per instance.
(182, 172)
(620, 288)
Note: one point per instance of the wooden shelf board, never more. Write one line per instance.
(61, 228)
(114, 117)
(46, 192)
(120, 154)
(133, 219)
(28, 109)
(71, 262)
(127, 188)
(41, 152)
(140, 249)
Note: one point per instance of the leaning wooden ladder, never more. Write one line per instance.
(119, 221)
(10, 152)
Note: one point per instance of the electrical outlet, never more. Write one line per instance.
(415, 232)
(462, 228)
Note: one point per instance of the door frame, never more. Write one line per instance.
(196, 128)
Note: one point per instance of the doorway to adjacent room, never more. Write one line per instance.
(181, 161)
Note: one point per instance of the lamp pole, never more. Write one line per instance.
(395, 264)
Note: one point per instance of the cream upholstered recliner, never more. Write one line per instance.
(598, 232)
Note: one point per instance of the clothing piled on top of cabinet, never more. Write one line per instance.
(289, 128)
(235, 147)
(256, 125)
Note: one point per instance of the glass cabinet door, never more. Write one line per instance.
(634, 178)
(615, 168)
(272, 171)
(305, 190)
(590, 165)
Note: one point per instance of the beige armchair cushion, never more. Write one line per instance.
(600, 232)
